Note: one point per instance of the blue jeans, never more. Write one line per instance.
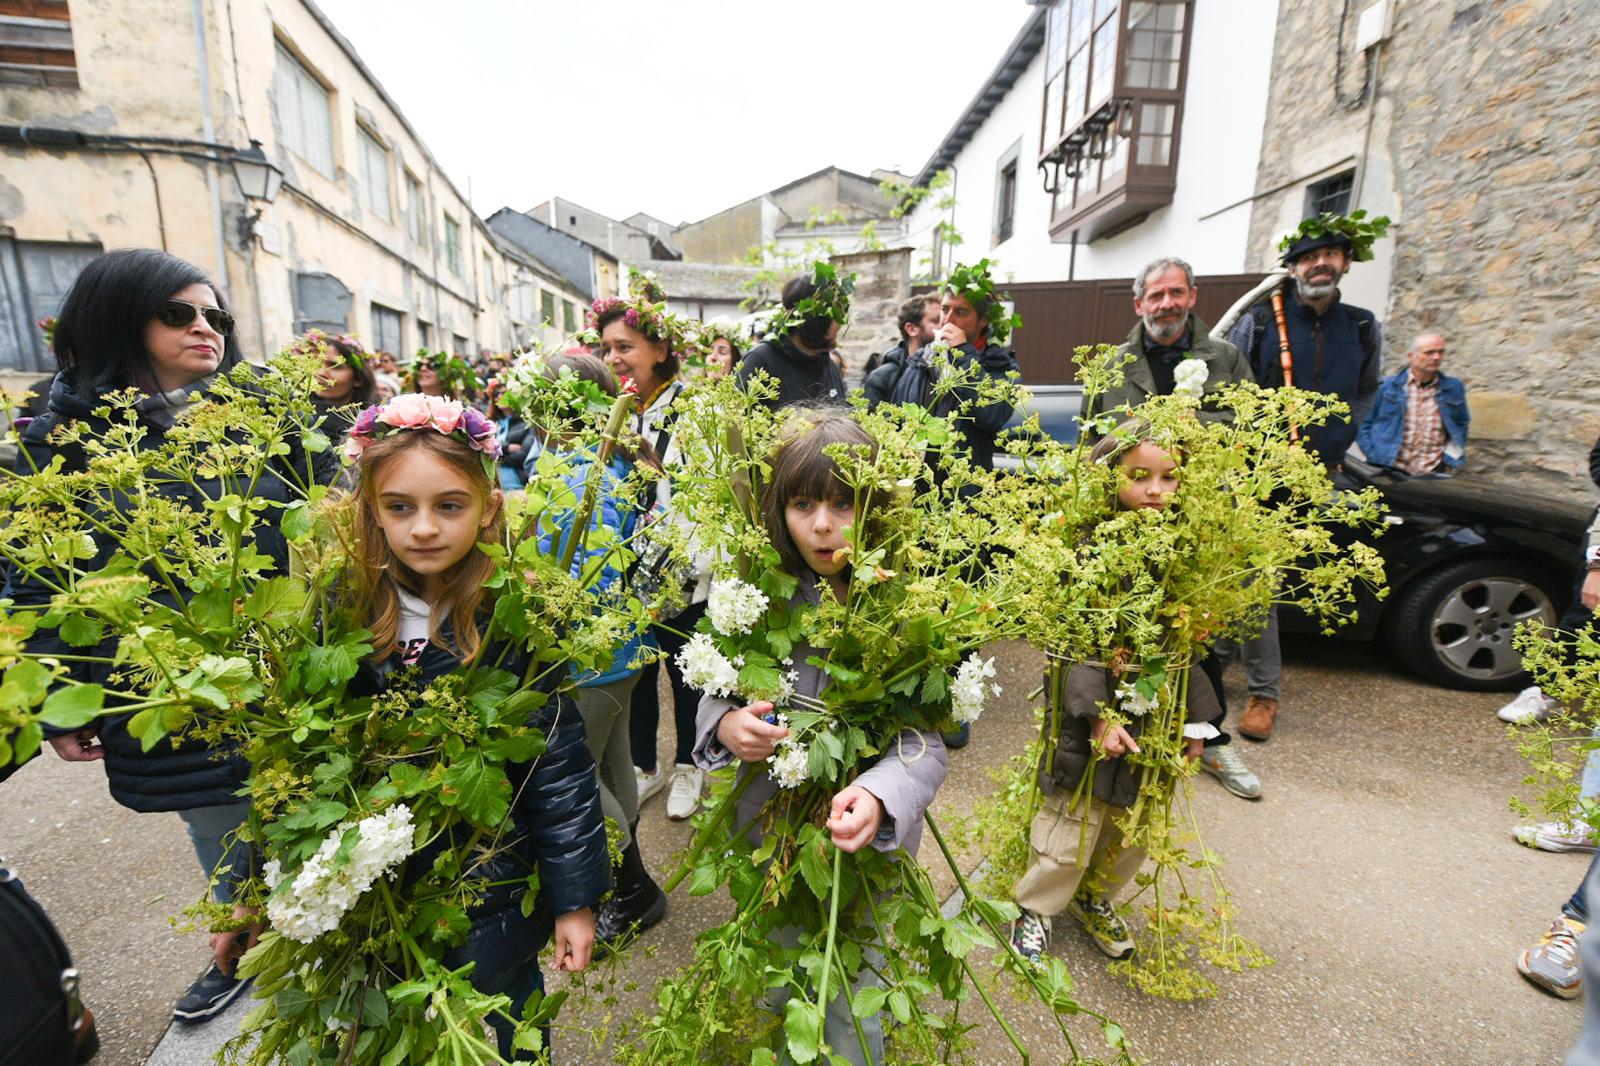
(224, 859)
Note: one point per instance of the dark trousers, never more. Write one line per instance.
(645, 707)
(1211, 667)
(506, 945)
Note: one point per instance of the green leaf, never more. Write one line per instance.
(1114, 1035)
(704, 880)
(291, 1002)
(480, 791)
(296, 521)
(814, 867)
(276, 599)
(82, 632)
(868, 1001)
(25, 684)
(900, 1006)
(318, 814)
(374, 1006)
(73, 706)
(802, 1029)
(398, 1050)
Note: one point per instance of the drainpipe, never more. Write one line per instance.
(203, 65)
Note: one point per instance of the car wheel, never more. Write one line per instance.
(1456, 625)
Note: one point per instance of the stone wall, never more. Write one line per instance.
(883, 283)
(1481, 142)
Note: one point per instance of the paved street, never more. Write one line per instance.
(1378, 871)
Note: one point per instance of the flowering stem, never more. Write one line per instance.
(698, 844)
(833, 925)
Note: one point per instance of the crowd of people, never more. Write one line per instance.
(148, 321)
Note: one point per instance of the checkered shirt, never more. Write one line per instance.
(1423, 446)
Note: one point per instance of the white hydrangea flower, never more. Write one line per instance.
(967, 691)
(706, 668)
(320, 894)
(1189, 378)
(1132, 701)
(786, 683)
(735, 606)
(790, 765)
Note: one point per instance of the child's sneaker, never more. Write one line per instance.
(1104, 926)
(1552, 963)
(1030, 935)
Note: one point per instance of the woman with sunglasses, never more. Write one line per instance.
(148, 321)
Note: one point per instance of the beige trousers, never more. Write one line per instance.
(1063, 859)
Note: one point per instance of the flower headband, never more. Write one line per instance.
(414, 411)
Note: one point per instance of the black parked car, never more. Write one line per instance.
(1467, 559)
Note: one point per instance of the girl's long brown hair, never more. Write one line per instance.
(378, 574)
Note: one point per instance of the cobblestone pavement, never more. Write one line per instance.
(1378, 872)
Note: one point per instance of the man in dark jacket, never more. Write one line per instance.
(973, 323)
(797, 352)
(1334, 348)
(1167, 333)
(918, 323)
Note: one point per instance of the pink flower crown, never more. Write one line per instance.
(415, 411)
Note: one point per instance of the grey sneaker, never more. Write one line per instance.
(1224, 763)
(1552, 963)
(1030, 935)
(1104, 926)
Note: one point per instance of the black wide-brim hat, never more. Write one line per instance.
(1311, 244)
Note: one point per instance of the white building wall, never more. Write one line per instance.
(1220, 142)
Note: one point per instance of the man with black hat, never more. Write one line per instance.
(1334, 349)
(797, 351)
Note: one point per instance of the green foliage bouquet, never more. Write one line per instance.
(376, 820)
(1566, 667)
(1143, 593)
(900, 651)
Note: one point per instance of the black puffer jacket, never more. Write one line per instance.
(980, 427)
(171, 776)
(557, 827)
(1115, 781)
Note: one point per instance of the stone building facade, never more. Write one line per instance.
(134, 149)
(1478, 132)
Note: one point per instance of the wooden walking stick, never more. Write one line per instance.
(1285, 356)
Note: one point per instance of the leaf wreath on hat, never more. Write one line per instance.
(975, 285)
(831, 300)
(1356, 229)
(644, 309)
(455, 375)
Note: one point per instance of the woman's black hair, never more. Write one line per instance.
(100, 327)
(364, 390)
(668, 368)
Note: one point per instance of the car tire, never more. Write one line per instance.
(1456, 624)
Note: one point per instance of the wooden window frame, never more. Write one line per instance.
(1091, 168)
(36, 45)
(1006, 175)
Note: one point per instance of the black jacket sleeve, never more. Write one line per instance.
(1594, 464)
(558, 807)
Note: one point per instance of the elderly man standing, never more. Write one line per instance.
(1333, 349)
(1167, 333)
(1418, 424)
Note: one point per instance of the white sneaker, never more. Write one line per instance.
(1556, 836)
(648, 783)
(684, 798)
(1530, 706)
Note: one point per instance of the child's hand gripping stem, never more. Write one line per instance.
(746, 733)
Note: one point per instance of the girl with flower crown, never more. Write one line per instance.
(426, 501)
(806, 507)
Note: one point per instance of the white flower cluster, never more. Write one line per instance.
(967, 691)
(706, 668)
(790, 764)
(1132, 701)
(1189, 378)
(320, 893)
(735, 606)
(786, 683)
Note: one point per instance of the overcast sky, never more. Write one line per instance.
(678, 108)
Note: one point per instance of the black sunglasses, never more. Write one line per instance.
(178, 313)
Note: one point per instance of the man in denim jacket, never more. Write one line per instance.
(1418, 422)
